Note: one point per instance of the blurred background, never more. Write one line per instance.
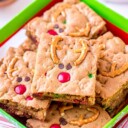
(10, 8)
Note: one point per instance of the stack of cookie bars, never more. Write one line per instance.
(69, 73)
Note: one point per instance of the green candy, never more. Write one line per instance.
(56, 96)
(90, 75)
(64, 22)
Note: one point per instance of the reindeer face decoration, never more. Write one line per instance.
(64, 76)
(76, 20)
(69, 19)
(64, 65)
(20, 72)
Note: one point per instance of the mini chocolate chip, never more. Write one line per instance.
(62, 121)
(61, 30)
(56, 26)
(27, 78)
(53, 114)
(61, 66)
(69, 66)
(19, 79)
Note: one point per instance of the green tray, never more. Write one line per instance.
(117, 118)
(108, 14)
(12, 26)
(10, 119)
(37, 6)
(20, 19)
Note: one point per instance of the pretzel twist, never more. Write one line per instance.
(11, 68)
(64, 108)
(81, 121)
(83, 52)
(81, 32)
(115, 72)
(54, 48)
(60, 10)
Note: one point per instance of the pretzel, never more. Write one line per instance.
(81, 32)
(102, 46)
(83, 52)
(81, 121)
(54, 47)
(60, 10)
(114, 72)
(11, 68)
(62, 109)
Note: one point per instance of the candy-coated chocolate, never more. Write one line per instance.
(90, 75)
(20, 89)
(29, 98)
(52, 32)
(55, 126)
(64, 77)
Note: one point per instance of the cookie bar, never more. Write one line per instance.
(16, 74)
(70, 116)
(112, 85)
(66, 69)
(70, 18)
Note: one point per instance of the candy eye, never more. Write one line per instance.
(19, 79)
(61, 66)
(27, 78)
(69, 66)
(56, 26)
(60, 30)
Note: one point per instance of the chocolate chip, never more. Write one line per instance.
(61, 66)
(62, 121)
(56, 26)
(27, 79)
(19, 79)
(61, 30)
(69, 66)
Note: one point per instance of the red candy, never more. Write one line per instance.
(20, 89)
(55, 126)
(76, 101)
(29, 98)
(45, 73)
(52, 32)
(64, 77)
